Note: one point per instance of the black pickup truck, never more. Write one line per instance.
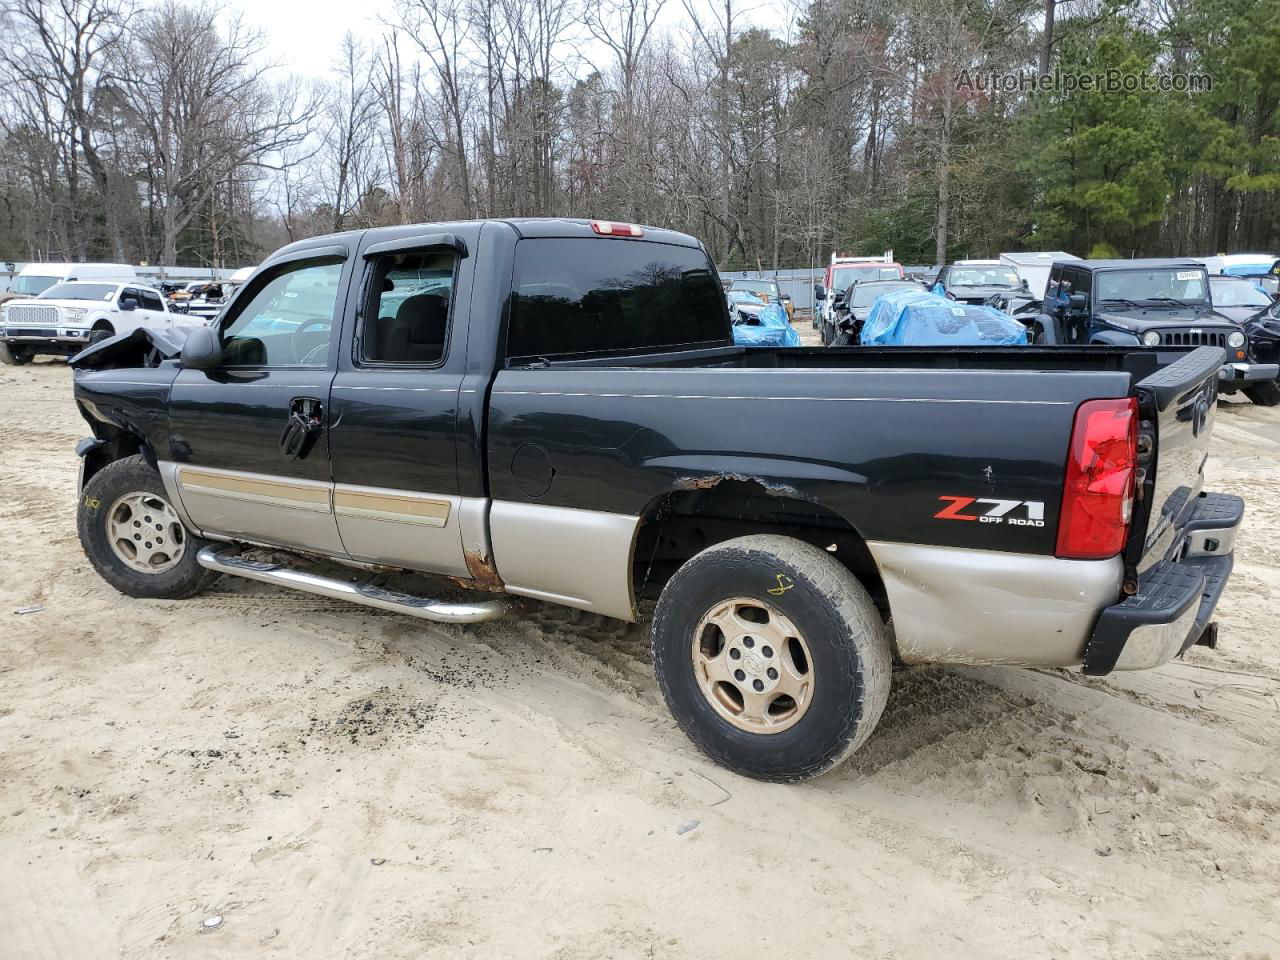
(553, 409)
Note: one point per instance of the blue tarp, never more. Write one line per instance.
(772, 331)
(918, 319)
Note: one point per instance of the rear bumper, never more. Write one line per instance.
(1175, 598)
(1246, 373)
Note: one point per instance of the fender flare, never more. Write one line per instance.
(1115, 338)
(1046, 325)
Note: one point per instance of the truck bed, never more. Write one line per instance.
(1139, 363)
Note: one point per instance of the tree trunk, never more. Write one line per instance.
(1046, 39)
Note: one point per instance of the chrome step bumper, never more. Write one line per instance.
(228, 560)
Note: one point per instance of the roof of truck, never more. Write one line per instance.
(523, 227)
(1141, 264)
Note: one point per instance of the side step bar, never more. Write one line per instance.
(228, 560)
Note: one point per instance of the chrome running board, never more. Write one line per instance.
(228, 560)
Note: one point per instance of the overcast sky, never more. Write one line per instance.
(304, 35)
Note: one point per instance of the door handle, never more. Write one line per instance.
(306, 419)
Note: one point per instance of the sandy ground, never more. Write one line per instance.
(334, 782)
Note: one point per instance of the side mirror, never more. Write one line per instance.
(202, 349)
(819, 293)
(1025, 284)
(128, 303)
(1077, 302)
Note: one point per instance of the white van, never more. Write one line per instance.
(35, 278)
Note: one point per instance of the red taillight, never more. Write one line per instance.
(1097, 500)
(608, 229)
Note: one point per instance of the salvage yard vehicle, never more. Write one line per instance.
(975, 281)
(851, 307)
(918, 318)
(570, 422)
(842, 271)
(1151, 303)
(767, 290)
(759, 324)
(1236, 298)
(67, 317)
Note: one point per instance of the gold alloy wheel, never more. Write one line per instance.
(753, 666)
(145, 533)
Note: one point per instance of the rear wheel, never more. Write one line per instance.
(771, 656)
(15, 356)
(133, 536)
(1265, 393)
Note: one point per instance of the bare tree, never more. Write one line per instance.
(54, 55)
(207, 106)
(438, 27)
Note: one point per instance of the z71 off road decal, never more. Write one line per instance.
(1017, 513)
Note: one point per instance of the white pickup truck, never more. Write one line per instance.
(67, 317)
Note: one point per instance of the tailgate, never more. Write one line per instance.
(1177, 406)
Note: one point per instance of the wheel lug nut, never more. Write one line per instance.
(767, 651)
(759, 685)
(748, 642)
(773, 674)
(739, 676)
(735, 654)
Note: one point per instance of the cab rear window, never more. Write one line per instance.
(588, 295)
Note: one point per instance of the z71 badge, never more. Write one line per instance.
(1016, 513)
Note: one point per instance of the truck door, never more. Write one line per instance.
(394, 409)
(250, 454)
(151, 312)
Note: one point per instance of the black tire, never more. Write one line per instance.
(14, 356)
(1266, 393)
(103, 491)
(100, 333)
(843, 339)
(848, 650)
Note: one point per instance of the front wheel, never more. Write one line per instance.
(133, 536)
(771, 657)
(1266, 393)
(14, 356)
(102, 332)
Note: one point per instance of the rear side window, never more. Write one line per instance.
(407, 320)
(591, 295)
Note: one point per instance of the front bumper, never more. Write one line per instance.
(60, 339)
(1176, 597)
(1244, 373)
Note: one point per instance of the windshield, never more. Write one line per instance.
(766, 287)
(1237, 293)
(1160, 283)
(80, 291)
(983, 277)
(865, 294)
(30, 286)
(745, 296)
(846, 275)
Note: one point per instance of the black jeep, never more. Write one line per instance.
(1152, 303)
